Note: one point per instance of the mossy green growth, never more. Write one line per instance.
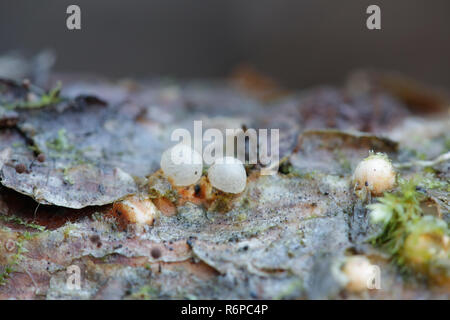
(22, 222)
(377, 155)
(429, 181)
(14, 260)
(160, 187)
(397, 212)
(67, 177)
(49, 98)
(398, 208)
(60, 143)
(223, 203)
(427, 248)
(404, 225)
(146, 292)
(171, 194)
(5, 275)
(286, 168)
(19, 244)
(61, 148)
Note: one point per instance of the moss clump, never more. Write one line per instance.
(146, 292)
(377, 155)
(421, 242)
(223, 202)
(5, 275)
(60, 143)
(427, 248)
(429, 181)
(160, 187)
(397, 209)
(22, 222)
(52, 97)
(67, 177)
(49, 98)
(285, 168)
(15, 259)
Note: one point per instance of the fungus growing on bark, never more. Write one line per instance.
(374, 174)
(182, 164)
(228, 175)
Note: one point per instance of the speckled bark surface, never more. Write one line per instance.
(283, 237)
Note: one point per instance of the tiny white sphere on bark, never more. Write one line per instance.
(375, 173)
(228, 174)
(182, 164)
(359, 273)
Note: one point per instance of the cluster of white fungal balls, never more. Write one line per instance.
(184, 166)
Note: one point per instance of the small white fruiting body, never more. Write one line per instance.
(359, 273)
(375, 173)
(182, 164)
(228, 174)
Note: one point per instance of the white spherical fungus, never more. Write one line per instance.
(359, 273)
(228, 174)
(375, 173)
(182, 164)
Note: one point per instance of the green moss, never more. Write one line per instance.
(396, 211)
(14, 260)
(160, 187)
(401, 217)
(223, 203)
(241, 217)
(49, 98)
(60, 143)
(34, 148)
(28, 236)
(18, 145)
(60, 148)
(295, 173)
(429, 181)
(171, 195)
(22, 222)
(377, 155)
(66, 176)
(6, 274)
(146, 292)
(285, 167)
(68, 228)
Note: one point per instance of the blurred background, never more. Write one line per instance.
(299, 43)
